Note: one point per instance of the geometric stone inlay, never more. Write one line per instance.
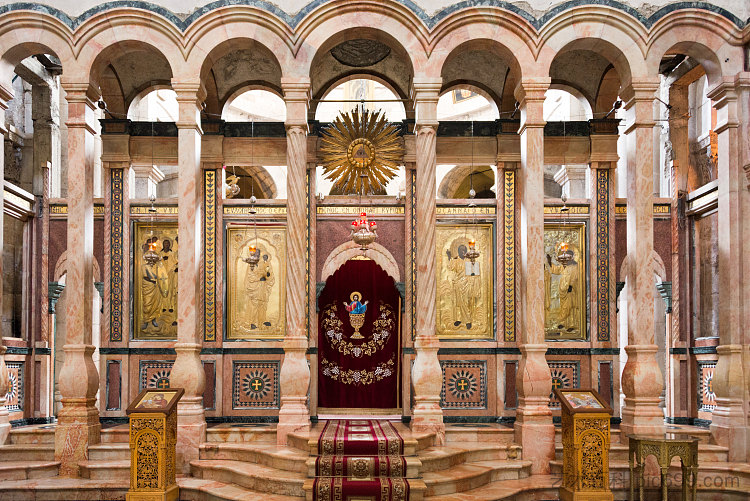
(255, 385)
(155, 373)
(464, 384)
(706, 395)
(14, 397)
(564, 375)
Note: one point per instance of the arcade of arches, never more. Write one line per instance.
(620, 130)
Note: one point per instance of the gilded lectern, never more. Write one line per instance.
(153, 439)
(585, 438)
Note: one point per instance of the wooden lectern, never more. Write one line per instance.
(153, 439)
(585, 439)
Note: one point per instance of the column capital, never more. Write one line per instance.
(189, 92)
(639, 89)
(297, 99)
(81, 92)
(425, 93)
(532, 89)
(6, 94)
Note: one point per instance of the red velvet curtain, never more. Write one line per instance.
(358, 373)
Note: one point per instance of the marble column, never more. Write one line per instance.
(572, 180)
(534, 429)
(187, 372)
(145, 179)
(78, 420)
(426, 375)
(5, 96)
(729, 425)
(642, 379)
(294, 415)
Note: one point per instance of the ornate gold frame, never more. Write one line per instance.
(448, 237)
(575, 233)
(271, 242)
(141, 231)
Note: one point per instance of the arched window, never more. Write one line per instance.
(158, 105)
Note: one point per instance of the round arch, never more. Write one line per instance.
(247, 88)
(349, 250)
(327, 88)
(61, 268)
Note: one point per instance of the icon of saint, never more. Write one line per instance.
(259, 283)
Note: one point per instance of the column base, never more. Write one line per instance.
(427, 417)
(294, 417)
(191, 432)
(729, 426)
(642, 385)
(535, 433)
(4, 424)
(77, 428)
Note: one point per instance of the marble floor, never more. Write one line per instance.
(479, 462)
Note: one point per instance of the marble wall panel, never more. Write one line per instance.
(464, 384)
(332, 233)
(706, 395)
(14, 399)
(565, 374)
(255, 384)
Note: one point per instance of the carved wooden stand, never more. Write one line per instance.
(585, 439)
(153, 439)
(664, 448)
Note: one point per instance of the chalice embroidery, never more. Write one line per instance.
(357, 312)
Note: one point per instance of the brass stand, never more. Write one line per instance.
(664, 448)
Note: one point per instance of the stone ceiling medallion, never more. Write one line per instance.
(360, 52)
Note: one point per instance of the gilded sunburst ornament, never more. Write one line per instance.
(361, 151)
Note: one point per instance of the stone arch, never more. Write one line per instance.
(719, 51)
(455, 180)
(236, 64)
(333, 23)
(608, 32)
(25, 34)
(327, 87)
(657, 265)
(61, 268)
(118, 60)
(349, 250)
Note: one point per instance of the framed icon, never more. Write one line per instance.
(161, 400)
(582, 400)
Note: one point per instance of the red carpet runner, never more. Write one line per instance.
(360, 459)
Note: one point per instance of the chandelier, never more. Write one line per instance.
(253, 257)
(364, 232)
(563, 252)
(150, 256)
(472, 254)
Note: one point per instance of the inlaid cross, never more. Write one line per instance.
(556, 383)
(162, 384)
(256, 384)
(462, 384)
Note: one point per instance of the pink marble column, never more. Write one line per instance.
(534, 429)
(78, 420)
(729, 425)
(187, 372)
(294, 415)
(426, 374)
(642, 379)
(5, 96)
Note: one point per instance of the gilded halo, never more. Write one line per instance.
(360, 152)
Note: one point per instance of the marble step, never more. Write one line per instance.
(27, 452)
(32, 435)
(20, 470)
(442, 458)
(417, 489)
(410, 444)
(282, 458)
(251, 476)
(105, 470)
(619, 452)
(63, 489)
(733, 477)
(469, 476)
(493, 433)
(536, 487)
(109, 452)
(228, 432)
(116, 434)
(413, 467)
(198, 489)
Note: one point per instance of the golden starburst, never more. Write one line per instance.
(361, 152)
